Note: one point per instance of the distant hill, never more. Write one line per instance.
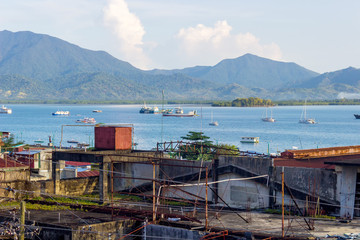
(349, 76)
(250, 71)
(40, 67)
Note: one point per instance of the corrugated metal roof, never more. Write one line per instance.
(26, 152)
(77, 164)
(10, 163)
(93, 173)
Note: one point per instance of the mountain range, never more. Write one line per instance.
(40, 67)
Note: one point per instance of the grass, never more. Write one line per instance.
(35, 206)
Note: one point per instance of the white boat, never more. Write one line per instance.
(250, 139)
(268, 118)
(5, 110)
(213, 123)
(149, 110)
(61, 113)
(304, 119)
(179, 112)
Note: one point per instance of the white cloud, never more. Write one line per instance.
(208, 45)
(129, 31)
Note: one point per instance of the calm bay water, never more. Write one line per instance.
(336, 125)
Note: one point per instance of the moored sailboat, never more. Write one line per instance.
(213, 123)
(268, 118)
(304, 119)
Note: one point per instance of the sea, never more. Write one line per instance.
(336, 125)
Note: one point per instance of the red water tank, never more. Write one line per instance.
(113, 137)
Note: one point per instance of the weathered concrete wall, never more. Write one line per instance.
(311, 181)
(75, 186)
(238, 194)
(347, 191)
(155, 232)
(117, 229)
(183, 167)
(68, 173)
(243, 194)
(125, 174)
(256, 165)
(79, 186)
(14, 174)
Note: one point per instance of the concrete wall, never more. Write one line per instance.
(117, 229)
(155, 232)
(68, 173)
(71, 187)
(132, 170)
(243, 194)
(311, 181)
(14, 174)
(106, 231)
(256, 165)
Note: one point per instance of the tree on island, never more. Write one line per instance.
(244, 102)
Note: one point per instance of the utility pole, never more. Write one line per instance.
(282, 203)
(22, 220)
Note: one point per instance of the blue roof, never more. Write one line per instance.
(25, 152)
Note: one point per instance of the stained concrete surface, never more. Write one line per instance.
(271, 224)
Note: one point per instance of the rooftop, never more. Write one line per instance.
(77, 164)
(93, 173)
(28, 152)
(7, 163)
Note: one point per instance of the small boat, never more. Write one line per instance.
(5, 110)
(97, 111)
(61, 113)
(38, 142)
(304, 119)
(179, 112)
(268, 118)
(357, 116)
(213, 123)
(250, 139)
(72, 141)
(149, 110)
(86, 120)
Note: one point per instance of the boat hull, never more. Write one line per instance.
(178, 115)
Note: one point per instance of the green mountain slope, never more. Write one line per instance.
(249, 71)
(41, 67)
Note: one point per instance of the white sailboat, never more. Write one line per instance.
(266, 118)
(213, 123)
(304, 119)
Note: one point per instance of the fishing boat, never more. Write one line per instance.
(268, 118)
(61, 113)
(250, 139)
(149, 110)
(5, 110)
(213, 123)
(179, 112)
(86, 120)
(304, 119)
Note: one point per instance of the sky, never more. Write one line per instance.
(321, 35)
